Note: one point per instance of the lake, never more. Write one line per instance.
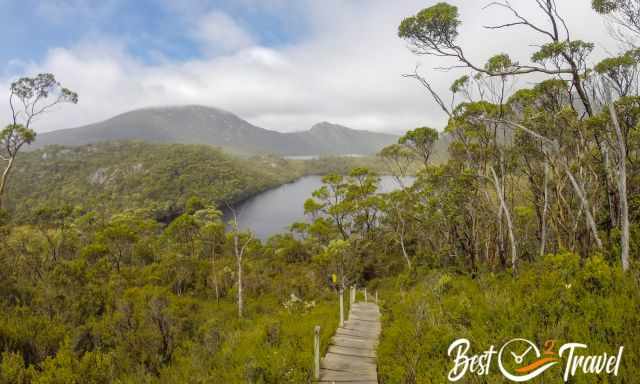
(272, 211)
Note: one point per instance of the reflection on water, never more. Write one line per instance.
(272, 211)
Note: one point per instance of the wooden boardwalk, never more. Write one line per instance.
(351, 357)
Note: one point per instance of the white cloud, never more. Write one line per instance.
(219, 32)
(347, 70)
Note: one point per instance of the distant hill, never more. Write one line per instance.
(116, 176)
(206, 125)
(120, 175)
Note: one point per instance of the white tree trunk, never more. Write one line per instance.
(585, 205)
(404, 251)
(401, 232)
(622, 190)
(579, 191)
(239, 251)
(4, 179)
(214, 273)
(239, 266)
(505, 210)
(240, 298)
(609, 177)
(545, 210)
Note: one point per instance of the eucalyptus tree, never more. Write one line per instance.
(362, 202)
(622, 188)
(619, 120)
(434, 31)
(625, 15)
(621, 72)
(445, 201)
(54, 222)
(472, 127)
(421, 141)
(398, 160)
(240, 241)
(564, 132)
(184, 233)
(396, 206)
(29, 99)
(329, 204)
(551, 132)
(338, 256)
(211, 234)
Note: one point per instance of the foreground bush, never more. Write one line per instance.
(560, 297)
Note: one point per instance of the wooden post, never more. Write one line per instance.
(365, 294)
(316, 349)
(353, 294)
(341, 308)
(376, 297)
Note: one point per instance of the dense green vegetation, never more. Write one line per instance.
(87, 301)
(128, 175)
(560, 297)
(341, 165)
(115, 176)
(116, 266)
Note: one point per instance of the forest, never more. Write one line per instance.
(530, 228)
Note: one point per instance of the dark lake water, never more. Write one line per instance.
(272, 211)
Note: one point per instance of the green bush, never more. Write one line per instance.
(560, 297)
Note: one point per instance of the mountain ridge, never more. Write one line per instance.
(197, 124)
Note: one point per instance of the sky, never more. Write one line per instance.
(280, 64)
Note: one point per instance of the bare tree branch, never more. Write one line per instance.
(427, 85)
(523, 21)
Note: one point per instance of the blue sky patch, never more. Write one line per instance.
(149, 29)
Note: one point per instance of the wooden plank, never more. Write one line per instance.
(351, 357)
(348, 376)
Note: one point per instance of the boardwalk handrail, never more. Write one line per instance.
(316, 348)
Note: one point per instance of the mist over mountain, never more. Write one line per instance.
(212, 126)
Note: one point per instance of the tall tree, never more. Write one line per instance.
(625, 14)
(240, 243)
(622, 188)
(434, 30)
(212, 236)
(30, 97)
(421, 141)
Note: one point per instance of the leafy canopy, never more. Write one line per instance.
(434, 26)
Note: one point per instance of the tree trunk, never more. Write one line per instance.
(214, 274)
(401, 231)
(622, 190)
(545, 209)
(4, 179)
(611, 205)
(512, 238)
(404, 250)
(579, 191)
(585, 205)
(239, 265)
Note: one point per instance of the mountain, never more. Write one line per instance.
(212, 126)
(326, 138)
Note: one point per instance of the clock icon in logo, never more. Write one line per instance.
(520, 360)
